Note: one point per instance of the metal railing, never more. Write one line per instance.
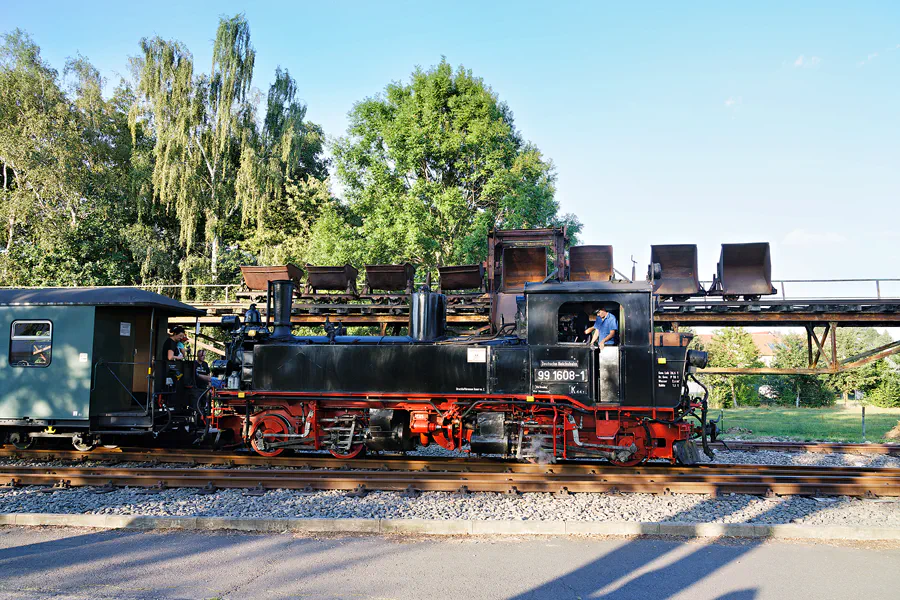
(881, 288)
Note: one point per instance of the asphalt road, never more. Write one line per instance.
(79, 563)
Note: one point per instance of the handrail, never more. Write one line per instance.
(780, 285)
(116, 377)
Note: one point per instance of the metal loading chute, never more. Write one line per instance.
(389, 278)
(337, 279)
(590, 263)
(521, 266)
(679, 277)
(461, 277)
(744, 270)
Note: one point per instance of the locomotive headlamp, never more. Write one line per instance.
(697, 358)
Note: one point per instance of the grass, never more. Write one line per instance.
(807, 424)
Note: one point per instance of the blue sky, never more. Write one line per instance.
(670, 123)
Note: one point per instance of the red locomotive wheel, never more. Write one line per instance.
(267, 430)
(354, 452)
(642, 439)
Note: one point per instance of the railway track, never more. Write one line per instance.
(452, 475)
(817, 447)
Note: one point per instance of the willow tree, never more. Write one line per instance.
(165, 94)
(281, 184)
(229, 85)
(197, 123)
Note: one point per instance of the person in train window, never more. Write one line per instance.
(582, 323)
(183, 346)
(605, 328)
(170, 348)
(203, 372)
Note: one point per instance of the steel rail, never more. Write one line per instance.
(394, 462)
(778, 481)
(817, 447)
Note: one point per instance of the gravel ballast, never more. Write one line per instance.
(680, 508)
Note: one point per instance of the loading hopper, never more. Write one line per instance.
(390, 278)
(461, 277)
(258, 278)
(335, 279)
(678, 263)
(590, 263)
(745, 270)
(523, 265)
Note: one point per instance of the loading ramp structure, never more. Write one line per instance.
(482, 297)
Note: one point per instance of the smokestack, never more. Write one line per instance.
(282, 299)
(427, 315)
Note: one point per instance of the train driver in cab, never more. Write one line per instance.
(604, 330)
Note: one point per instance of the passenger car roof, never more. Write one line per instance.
(95, 296)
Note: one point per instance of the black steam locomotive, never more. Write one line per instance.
(534, 388)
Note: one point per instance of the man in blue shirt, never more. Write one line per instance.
(604, 329)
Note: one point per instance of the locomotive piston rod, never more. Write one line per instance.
(621, 453)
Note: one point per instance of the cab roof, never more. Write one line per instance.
(588, 287)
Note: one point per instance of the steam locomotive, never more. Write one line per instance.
(535, 388)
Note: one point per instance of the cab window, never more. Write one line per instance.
(30, 343)
(576, 317)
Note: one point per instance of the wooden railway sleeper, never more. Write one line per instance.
(106, 488)
(259, 490)
(359, 492)
(209, 488)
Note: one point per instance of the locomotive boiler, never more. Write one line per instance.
(535, 388)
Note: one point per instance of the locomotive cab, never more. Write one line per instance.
(562, 360)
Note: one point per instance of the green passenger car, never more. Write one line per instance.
(78, 362)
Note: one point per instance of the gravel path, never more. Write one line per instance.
(485, 506)
(480, 506)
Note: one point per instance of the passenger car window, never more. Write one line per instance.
(30, 343)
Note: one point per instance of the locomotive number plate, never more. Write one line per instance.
(560, 375)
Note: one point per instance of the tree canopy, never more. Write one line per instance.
(179, 175)
(733, 347)
(429, 167)
(802, 390)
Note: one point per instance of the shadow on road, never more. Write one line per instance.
(660, 568)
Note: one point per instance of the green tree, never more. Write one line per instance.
(733, 347)
(850, 342)
(806, 390)
(38, 139)
(198, 124)
(282, 181)
(887, 393)
(64, 165)
(429, 167)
